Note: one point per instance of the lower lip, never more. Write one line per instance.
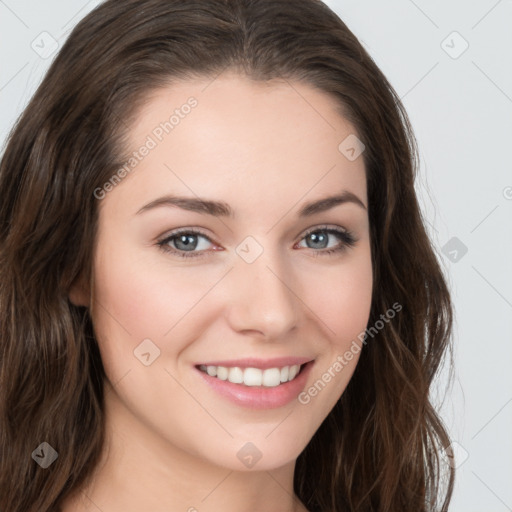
(256, 397)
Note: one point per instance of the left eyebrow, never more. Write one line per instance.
(327, 203)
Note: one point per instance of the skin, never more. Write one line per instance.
(266, 150)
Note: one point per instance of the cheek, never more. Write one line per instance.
(126, 296)
(139, 295)
(340, 295)
(343, 306)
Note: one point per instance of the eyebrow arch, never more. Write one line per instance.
(221, 209)
(215, 208)
(327, 203)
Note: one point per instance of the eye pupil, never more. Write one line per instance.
(319, 240)
(188, 242)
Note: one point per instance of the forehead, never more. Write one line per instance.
(249, 143)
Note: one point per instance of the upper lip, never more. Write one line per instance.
(262, 364)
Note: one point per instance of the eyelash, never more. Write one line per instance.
(348, 240)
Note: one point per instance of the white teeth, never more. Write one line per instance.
(271, 377)
(252, 377)
(222, 373)
(236, 375)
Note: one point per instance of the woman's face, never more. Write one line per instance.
(267, 273)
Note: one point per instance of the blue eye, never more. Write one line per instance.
(320, 238)
(185, 243)
(190, 243)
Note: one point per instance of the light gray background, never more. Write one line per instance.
(460, 106)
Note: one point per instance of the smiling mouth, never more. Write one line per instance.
(254, 377)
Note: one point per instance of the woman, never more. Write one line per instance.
(217, 291)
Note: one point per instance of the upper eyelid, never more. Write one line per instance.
(181, 231)
(324, 227)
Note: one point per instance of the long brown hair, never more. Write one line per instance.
(379, 449)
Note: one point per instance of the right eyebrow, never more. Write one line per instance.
(215, 208)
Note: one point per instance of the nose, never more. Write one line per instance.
(262, 298)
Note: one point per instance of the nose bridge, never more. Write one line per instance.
(263, 299)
